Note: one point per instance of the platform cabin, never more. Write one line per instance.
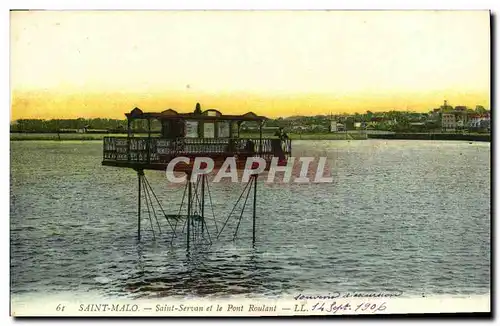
(206, 133)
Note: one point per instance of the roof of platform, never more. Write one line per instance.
(210, 114)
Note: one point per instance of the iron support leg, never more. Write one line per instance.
(203, 204)
(254, 207)
(189, 211)
(140, 174)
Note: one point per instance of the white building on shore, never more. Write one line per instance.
(448, 121)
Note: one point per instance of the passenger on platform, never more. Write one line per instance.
(181, 128)
(250, 147)
(180, 134)
(281, 134)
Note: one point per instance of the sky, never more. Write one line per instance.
(70, 64)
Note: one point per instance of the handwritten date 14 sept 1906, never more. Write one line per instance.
(334, 307)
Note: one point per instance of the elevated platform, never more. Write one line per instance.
(200, 133)
(148, 153)
(206, 134)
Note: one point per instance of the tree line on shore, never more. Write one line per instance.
(390, 120)
(73, 125)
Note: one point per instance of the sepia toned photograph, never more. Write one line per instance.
(244, 163)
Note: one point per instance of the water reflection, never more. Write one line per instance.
(203, 271)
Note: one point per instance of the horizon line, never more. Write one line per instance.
(271, 118)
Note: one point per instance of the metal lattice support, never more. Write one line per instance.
(158, 202)
(246, 190)
(197, 231)
(146, 193)
(194, 201)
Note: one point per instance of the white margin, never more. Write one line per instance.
(235, 4)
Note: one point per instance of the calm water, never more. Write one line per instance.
(412, 216)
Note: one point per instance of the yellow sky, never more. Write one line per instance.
(275, 63)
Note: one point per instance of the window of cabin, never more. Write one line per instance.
(235, 129)
(208, 130)
(223, 127)
(166, 129)
(191, 129)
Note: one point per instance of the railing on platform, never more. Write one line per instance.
(161, 150)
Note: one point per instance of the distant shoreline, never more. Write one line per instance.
(434, 136)
(318, 136)
(97, 137)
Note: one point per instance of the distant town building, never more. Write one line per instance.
(448, 121)
(460, 118)
(336, 126)
(333, 126)
(479, 122)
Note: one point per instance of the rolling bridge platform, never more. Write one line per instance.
(153, 140)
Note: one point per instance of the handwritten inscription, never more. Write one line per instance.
(336, 295)
(344, 302)
(335, 307)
